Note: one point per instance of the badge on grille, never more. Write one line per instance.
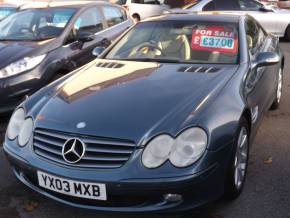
(73, 150)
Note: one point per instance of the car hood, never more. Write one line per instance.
(14, 51)
(130, 100)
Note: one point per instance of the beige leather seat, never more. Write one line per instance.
(178, 48)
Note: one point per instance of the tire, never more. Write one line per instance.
(136, 17)
(287, 33)
(237, 170)
(279, 88)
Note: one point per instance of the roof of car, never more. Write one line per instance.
(53, 4)
(8, 5)
(218, 16)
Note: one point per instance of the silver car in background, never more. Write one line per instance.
(273, 19)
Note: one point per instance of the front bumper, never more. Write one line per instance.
(131, 195)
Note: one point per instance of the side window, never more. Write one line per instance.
(121, 2)
(113, 15)
(252, 33)
(149, 2)
(250, 5)
(262, 36)
(209, 6)
(89, 21)
(137, 1)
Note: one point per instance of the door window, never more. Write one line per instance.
(150, 2)
(252, 33)
(209, 6)
(114, 15)
(89, 21)
(250, 5)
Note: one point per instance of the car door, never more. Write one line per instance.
(89, 21)
(266, 17)
(116, 22)
(260, 82)
(147, 8)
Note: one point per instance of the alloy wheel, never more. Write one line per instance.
(279, 87)
(241, 158)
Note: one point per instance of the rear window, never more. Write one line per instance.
(194, 42)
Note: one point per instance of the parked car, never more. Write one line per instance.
(141, 9)
(273, 19)
(7, 9)
(162, 121)
(38, 45)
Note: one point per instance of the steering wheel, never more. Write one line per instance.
(150, 46)
(26, 29)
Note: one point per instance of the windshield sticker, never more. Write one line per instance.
(214, 38)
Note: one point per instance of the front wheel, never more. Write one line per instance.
(237, 171)
(279, 88)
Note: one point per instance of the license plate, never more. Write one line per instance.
(69, 187)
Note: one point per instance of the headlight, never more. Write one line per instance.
(157, 151)
(15, 124)
(183, 151)
(25, 64)
(25, 132)
(188, 147)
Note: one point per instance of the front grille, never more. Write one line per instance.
(100, 152)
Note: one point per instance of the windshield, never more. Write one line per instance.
(35, 24)
(6, 11)
(179, 41)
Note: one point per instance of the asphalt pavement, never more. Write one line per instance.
(266, 193)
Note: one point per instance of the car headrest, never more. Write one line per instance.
(250, 41)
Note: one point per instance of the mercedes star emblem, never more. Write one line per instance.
(81, 125)
(73, 150)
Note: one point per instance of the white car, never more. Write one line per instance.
(273, 19)
(141, 9)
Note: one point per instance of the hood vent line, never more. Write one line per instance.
(192, 69)
(112, 65)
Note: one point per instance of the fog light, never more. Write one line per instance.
(172, 197)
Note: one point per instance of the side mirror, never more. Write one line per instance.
(98, 51)
(83, 36)
(266, 9)
(264, 59)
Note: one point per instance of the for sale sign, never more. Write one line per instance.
(214, 38)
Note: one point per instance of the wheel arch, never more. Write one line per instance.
(137, 15)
